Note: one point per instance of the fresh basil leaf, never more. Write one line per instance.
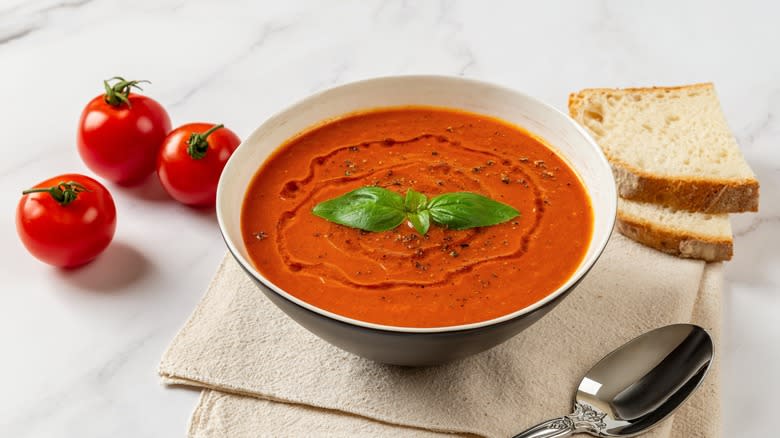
(420, 220)
(366, 208)
(414, 201)
(461, 210)
(378, 209)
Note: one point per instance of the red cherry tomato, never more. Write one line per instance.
(120, 133)
(67, 220)
(191, 160)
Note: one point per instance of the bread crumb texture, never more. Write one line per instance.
(669, 131)
(714, 227)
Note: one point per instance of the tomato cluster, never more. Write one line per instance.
(123, 136)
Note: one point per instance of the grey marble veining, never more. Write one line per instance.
(80, 348)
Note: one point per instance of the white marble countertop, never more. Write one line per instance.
(80, 348)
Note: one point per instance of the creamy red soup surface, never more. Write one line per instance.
(399, 277)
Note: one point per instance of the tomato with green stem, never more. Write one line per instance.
(191, 160)
(67, 220)
(120, 132)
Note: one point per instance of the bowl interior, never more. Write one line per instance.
(557, 129)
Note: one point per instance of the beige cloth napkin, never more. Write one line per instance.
(267, 376)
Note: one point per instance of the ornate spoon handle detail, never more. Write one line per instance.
(557, 428)
(585, 418)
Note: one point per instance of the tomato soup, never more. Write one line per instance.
(399, 277)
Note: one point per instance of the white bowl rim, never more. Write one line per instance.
(562, 289)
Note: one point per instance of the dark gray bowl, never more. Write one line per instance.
(408, 345)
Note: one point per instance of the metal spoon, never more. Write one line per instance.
(636, 386)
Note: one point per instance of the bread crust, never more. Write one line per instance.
(673, 242)
(682, 193)
(645, 90)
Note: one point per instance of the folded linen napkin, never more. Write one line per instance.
(266, 376)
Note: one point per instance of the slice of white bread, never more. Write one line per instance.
(683, 233)
(670, 146)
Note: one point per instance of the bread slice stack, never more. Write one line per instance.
(678, 168)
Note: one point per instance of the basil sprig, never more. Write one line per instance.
(378, 209)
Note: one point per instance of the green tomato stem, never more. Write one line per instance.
(197, 144)
(119, 93)
(62, 192)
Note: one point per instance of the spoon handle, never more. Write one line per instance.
(585, 418)
(555, 428)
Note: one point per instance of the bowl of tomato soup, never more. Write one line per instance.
(399, 295)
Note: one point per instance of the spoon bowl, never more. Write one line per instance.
(638, 385)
